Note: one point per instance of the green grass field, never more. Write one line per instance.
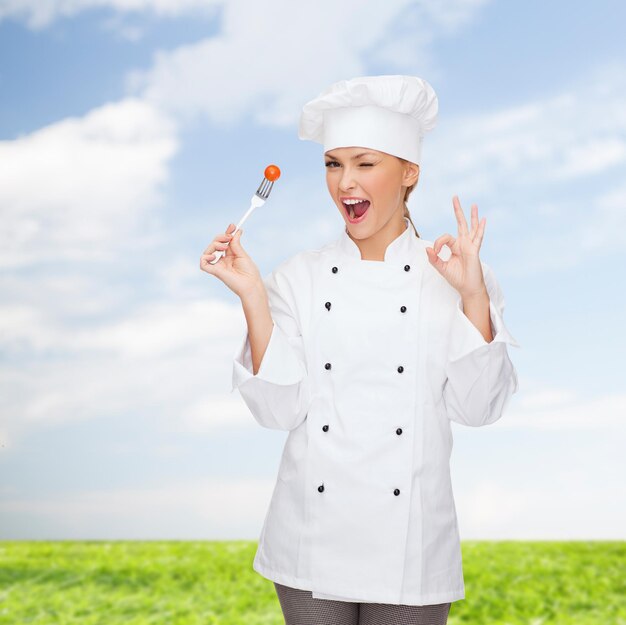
(188, 583)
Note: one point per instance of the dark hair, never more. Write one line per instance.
(407, 214)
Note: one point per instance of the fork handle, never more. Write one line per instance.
(255, 202)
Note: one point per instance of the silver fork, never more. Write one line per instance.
(258, 199)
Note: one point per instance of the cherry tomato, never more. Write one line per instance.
(272, 172)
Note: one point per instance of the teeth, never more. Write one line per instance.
(352, 201)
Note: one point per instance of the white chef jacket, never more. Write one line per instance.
(367, 364)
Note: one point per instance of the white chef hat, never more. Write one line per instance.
(388, 113)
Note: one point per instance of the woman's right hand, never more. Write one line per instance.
(235, 268)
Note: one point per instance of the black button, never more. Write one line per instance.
(327, 304)
(407, 267)
(327, 365)
(335, 270)
(396, 492)
(321, 488)
(325, 428)
(400, 369)
(402, 308)
(399, 431)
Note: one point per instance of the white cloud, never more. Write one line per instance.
(172, 361)
(606, 226)
(223, 508)
(76, 189)
(266, 64)
(575, 133)
(148, 331)
(211, 413)
(567, 506)
(565, 409)
(451, 15)
(39, 14)
(159, 358)
(215, 508)
(445, 17)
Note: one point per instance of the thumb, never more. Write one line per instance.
(235, 243)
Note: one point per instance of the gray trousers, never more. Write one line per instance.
(301, 608)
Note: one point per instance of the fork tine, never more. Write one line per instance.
(259, 191)
(264, 188)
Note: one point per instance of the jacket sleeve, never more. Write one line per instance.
(278, 396)
(480, 377)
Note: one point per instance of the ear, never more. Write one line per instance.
(411, 173)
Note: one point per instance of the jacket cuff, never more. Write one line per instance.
(280, 364)
(465, 336)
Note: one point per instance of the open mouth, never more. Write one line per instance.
(356, 212)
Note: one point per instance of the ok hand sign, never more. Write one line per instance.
(463, 269)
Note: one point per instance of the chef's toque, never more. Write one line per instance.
(388, 113)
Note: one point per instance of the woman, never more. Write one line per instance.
(364, 350)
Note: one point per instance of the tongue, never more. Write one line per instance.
(360, 208)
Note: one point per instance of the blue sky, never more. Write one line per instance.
(132, 132)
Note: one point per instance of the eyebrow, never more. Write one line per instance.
(353, 158)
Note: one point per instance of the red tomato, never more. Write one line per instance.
(272, 172)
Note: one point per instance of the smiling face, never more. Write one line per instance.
(378, 178)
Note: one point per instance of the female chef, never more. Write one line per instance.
(364, 350)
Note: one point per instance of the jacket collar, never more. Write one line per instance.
(402, 249)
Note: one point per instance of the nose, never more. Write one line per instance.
(346, 182)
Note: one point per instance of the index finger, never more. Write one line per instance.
(460, 217)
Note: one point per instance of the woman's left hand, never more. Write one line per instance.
(463, 269)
